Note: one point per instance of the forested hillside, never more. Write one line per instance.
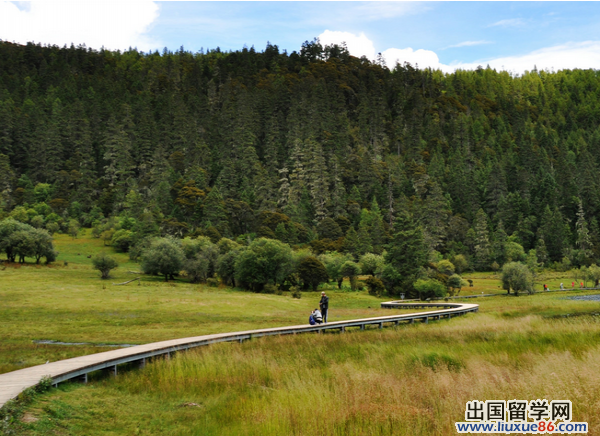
(315, 147)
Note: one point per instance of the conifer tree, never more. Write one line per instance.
(406, 256)
(119, 162)
(214, 211)
(351, 243)
(482, 241)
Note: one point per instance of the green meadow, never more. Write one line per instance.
(409, 380)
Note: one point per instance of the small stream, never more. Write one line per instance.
(87, 344)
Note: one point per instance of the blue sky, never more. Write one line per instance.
(446, 35)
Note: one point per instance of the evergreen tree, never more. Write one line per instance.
(364, 239)
(406, 256)
(351, 243)
(214, 211)
(482, 241)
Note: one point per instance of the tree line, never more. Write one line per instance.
(314, 148)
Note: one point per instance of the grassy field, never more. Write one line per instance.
(71, 304)
(412, 380)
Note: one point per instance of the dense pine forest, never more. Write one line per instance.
(314, 148)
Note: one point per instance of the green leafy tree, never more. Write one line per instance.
(201, 258)
(226, 265)
(455, 284)
(333, 262)
(371, 263)
(122, 240)
(514, 252)
(23, 244)
(351, 270)
(264, 261)
(165, 257)
(42, 245)
(516, 277)
(312, 272)
(446, 267)
(7, 243)
(104, 263)
(461, 263)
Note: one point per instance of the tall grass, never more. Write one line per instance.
(411, 380)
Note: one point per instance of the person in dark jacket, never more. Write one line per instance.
(324, 306)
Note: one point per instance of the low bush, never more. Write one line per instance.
(213, 283)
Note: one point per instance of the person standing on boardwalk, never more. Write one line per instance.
(324, 306)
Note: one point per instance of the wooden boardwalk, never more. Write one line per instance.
(13, 383)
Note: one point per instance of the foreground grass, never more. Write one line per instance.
(411, 380)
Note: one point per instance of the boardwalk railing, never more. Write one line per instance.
(13, 383)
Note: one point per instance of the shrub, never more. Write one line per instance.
(375, 286)
(296, 292)
(104, 263)
(270, 289)
(430, 288)
(213, 283)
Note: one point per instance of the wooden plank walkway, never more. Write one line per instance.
(15, 382)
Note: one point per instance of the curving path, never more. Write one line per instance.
(13, 383)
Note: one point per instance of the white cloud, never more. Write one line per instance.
(469, 44)
(358, 45)
(571, 55)
(511, 22)
(421, 58)
(112, 24)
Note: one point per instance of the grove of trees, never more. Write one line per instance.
(391, 169)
